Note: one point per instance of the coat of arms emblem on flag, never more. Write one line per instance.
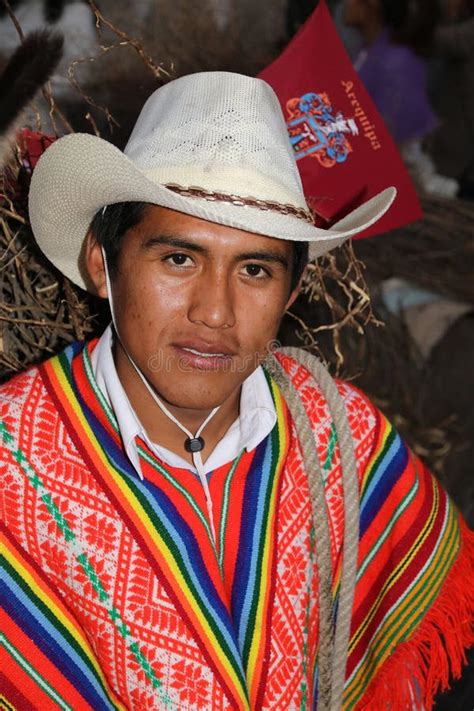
(316, 130)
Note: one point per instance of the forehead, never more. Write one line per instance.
(215, 238)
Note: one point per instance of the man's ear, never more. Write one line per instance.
(95, 265)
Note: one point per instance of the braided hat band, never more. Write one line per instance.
(239, 201)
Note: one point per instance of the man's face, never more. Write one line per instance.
(357, 13)
(197, 304)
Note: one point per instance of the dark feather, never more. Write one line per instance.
(28, 69)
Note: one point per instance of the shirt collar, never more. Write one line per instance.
(256, 419)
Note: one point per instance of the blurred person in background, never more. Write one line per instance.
(453, 144)
(397, 36)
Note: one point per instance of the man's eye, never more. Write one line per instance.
(255, 270)
(178, 259)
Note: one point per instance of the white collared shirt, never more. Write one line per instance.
(256, 419)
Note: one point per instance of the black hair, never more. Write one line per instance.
(300, 260)
(395, 13)
(109, 227)
(411, 22)
(53, 10)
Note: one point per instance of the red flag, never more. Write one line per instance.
(344, 151)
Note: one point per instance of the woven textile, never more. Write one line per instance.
(115, 595)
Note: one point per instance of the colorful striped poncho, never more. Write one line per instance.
(115, 595)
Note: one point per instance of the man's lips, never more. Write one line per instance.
(203, 355)
(205, 348)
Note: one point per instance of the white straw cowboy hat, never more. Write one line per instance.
(213, 145)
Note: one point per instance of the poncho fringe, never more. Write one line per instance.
(437, 650)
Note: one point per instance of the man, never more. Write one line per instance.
(192, 520)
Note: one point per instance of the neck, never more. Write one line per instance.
(159, 427)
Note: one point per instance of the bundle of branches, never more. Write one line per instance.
(334, 299)
(40, 310)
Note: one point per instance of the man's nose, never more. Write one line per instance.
(213, 302)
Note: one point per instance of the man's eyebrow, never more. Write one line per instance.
(267, 255)
(174, 241)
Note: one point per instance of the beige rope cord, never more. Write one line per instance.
(333, 645)
(320, 523)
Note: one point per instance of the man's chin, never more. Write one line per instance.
(195, 404)
(186, 397)
(198, 389)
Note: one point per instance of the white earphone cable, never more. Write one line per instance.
(197, 459)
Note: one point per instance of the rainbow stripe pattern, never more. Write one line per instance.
(411, 567)
(115, 594)
(223, 589)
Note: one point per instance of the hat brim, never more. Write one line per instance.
(80, 173)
